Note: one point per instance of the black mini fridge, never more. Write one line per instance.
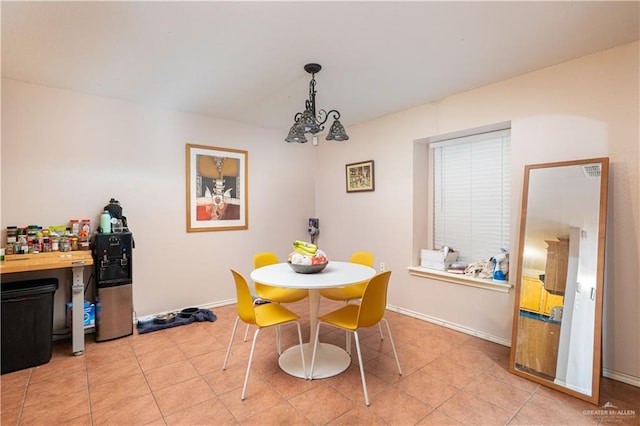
(113, 266)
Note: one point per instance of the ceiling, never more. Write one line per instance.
(244, 61)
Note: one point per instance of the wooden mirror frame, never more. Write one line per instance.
(597, 337)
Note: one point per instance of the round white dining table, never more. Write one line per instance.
(330, 359)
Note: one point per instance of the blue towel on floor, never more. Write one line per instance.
(200, 315)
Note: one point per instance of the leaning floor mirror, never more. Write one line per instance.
(557, 324)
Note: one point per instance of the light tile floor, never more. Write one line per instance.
(175, 376)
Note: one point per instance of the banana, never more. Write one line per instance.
(305, 244)
(304, 251)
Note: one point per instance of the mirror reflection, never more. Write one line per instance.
(557, 319)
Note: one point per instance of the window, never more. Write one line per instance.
(471, 191)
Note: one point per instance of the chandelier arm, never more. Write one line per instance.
(336, 114)
(311, 103)
(323, 116)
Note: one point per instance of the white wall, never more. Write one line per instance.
(64, 155)
(580, 109)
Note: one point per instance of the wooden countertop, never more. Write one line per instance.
(42, 261)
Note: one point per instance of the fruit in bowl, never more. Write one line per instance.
(306, 258)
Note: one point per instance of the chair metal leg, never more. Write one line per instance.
(246, 333)
(381, 335)
(393, 346)
(364, 382)
(278, 340)
(233, 333)
(315, 349)
(246, 377)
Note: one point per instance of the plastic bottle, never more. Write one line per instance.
(501, 266)
(105, 222)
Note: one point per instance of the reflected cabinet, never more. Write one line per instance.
(560, 276)
(555, 271)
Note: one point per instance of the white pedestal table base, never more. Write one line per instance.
(331, 360)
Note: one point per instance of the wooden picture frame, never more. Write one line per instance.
(360, 176)
(217, 198)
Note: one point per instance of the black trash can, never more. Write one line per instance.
(27, 323)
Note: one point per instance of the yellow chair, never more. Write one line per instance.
(353, 317)
(262, 316)
(273, 294)
(353, 291)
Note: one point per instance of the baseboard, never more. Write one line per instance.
(205, 306)
(621, 377)
(453, 326)
(219, 304)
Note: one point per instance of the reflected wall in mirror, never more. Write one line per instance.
(558, 311)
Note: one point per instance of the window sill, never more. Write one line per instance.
(487, 284)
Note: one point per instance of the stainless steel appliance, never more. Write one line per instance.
(113, 265)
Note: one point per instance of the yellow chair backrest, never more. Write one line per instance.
(363, 258)
(264, 259)
(245, 300)
(374, 300)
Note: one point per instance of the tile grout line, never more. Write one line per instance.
(513, 416)
(86, 370)
(24, 396)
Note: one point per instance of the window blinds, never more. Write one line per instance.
(471, 195)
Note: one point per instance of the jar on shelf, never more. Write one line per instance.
(85, 226)
(21, 246)
(83, 243)
(65, 244)
(39, 243)
(32, 232)
(74, 226)
(74, 243)
(55, 243)
(12, 234)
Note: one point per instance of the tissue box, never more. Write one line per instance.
(435, 259)
(89, 314)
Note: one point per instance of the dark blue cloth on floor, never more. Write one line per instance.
(200, 315)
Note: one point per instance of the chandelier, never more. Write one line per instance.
(311, 121)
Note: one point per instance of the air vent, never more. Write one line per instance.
(591, 170)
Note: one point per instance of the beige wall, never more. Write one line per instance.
(580, 109)
(65, 154)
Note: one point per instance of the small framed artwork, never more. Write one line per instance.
(217, 197)
(360, 176)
